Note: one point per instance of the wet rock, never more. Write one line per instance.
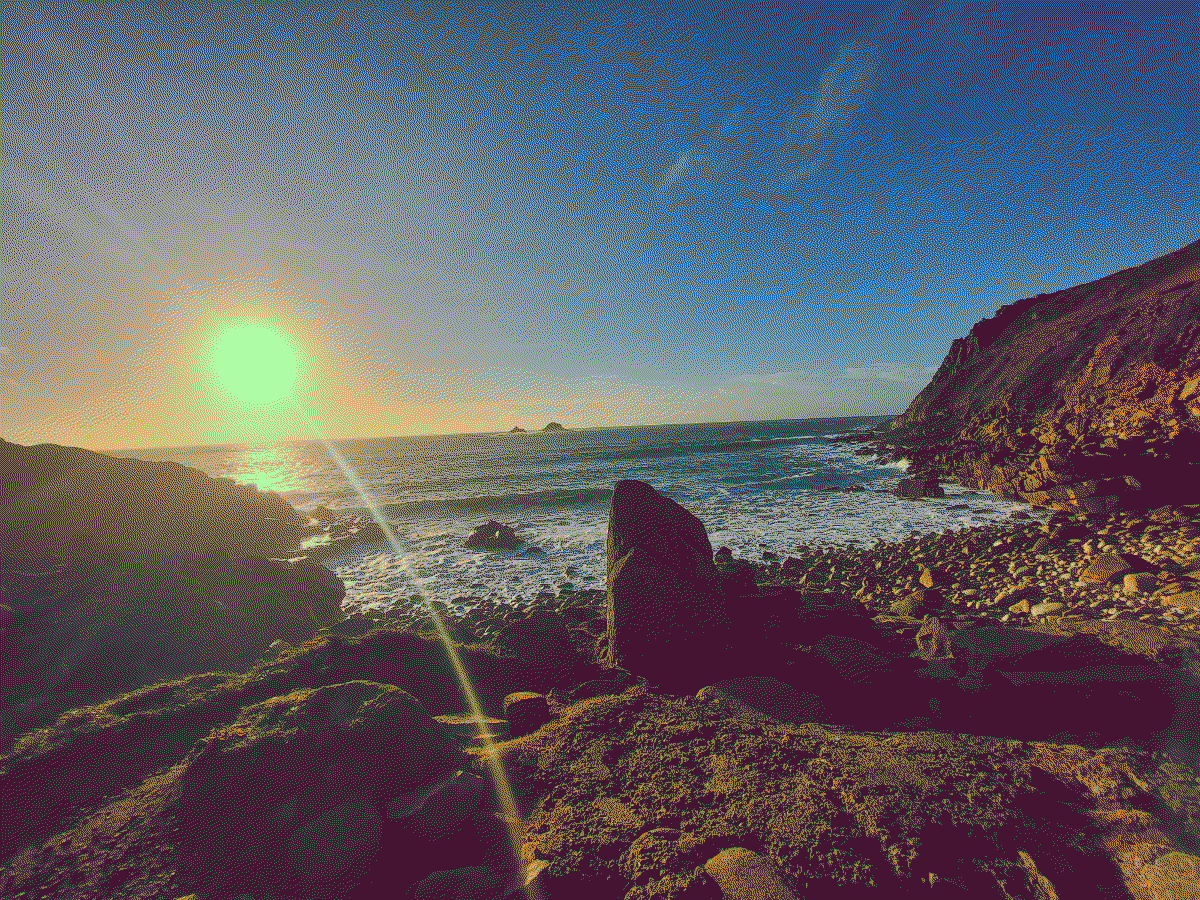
(918, 487)
(493, 536)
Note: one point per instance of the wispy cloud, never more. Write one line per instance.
(702, 158)
(678, 169)
(847, 84)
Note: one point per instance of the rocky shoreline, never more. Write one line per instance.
(1043, 676)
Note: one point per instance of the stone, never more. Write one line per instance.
(1140, 583)
(666, 615)
(493, 536)
(322, 851)
(854, 660)
(1045, 609)
(742, 874)
(936, 631)
(526, 712)
(1105, 568)
(1020, 607)
(762, 697)
(260, 797)
(916, 488)
(932, 578)
(1173, 876)
(920, 603)
(1185, 598)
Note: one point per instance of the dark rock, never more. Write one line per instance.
(667, 617)
(920, 603)
(493, 536)
(526, 712)
(554, 426)
(286, 795)
(516, 430)
(533, 551)
(916, 488)
(50, 495)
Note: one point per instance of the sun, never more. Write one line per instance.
(255, 362)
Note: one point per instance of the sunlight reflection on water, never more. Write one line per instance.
(278, 469)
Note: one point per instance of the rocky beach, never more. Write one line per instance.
(191, 711)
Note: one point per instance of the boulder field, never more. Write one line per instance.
(794, 742)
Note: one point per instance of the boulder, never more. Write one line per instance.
(286, 795)
(526, 712)
(667, 616)
(1112, 567)
(918, 487)
(920, 603)
(493, 536)
(742, 874)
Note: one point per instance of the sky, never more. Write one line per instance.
(472, 217)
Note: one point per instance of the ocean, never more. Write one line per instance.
(756, 486)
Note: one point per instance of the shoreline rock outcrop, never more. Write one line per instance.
(58, 497)
(1087, 399)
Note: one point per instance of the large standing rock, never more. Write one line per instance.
(287, 796)
(667, 619)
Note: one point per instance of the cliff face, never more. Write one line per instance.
(1084, 399)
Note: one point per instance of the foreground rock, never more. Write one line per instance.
(667, 615)
(76, 631)
(54, 497)
(293, 793)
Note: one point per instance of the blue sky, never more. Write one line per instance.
(473, 217)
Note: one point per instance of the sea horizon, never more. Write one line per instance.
(258, 445)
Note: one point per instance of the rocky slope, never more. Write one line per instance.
(1087, 399)
(56, 497)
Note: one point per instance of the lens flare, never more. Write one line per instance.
(512, 816)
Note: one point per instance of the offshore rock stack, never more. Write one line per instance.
(1084, 400)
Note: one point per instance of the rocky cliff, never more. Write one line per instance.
(1087, 399)
(55, 497)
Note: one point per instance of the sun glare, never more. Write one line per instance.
(255, 363)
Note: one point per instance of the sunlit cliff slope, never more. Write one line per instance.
(1085, 399)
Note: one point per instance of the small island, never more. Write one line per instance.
(554, 426)
(517, 430)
